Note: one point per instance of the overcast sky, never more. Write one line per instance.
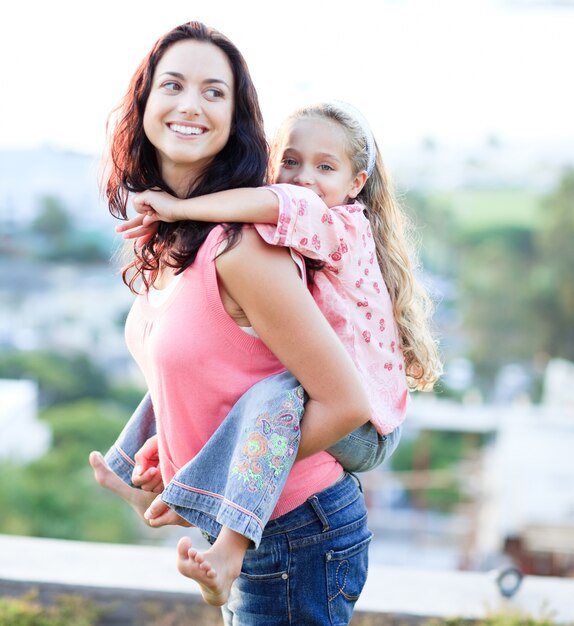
(452, 70)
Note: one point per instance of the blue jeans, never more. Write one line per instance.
(251, 452)
(310, 567)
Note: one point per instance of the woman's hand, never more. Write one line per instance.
(135, 229)
(159, 514)
(146, 474)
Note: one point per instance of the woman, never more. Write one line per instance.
(190, 125)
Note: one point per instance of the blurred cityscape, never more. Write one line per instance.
(484, 472)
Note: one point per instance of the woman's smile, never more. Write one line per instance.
(188, 130)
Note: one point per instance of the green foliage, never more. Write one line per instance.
(433, 450)
(57, 496)
(497, 298)
(555, 293)
(67, 610)
(506, 618)
(478, 209)
(54, 237)
(61, 378)
(53, 221)
(509, 252)
(436, 226)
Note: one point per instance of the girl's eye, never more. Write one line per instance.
(325, 167)
(287, 162)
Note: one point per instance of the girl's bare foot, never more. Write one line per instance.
(216, 569)
(138, 499)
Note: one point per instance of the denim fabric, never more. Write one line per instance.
(139, 428)
(237, 477)
(310, 567)
(244, 490)
(364, 448)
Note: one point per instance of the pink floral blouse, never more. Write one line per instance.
(350, 291)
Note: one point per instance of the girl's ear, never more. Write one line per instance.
(358, 183)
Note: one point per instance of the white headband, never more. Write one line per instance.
(353, 112)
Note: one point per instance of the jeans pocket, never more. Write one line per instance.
(346, 572)
(268, 562)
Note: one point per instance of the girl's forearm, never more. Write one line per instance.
(255, 205)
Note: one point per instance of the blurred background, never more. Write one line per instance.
(471, 104)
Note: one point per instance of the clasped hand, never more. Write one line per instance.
(151, 206)
(147, 476)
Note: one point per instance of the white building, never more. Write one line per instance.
(24, 438)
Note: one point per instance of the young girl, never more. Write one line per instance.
(332, 203)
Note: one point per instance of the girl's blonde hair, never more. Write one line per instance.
(394, 242)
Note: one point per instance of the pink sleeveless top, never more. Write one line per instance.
(197, 363)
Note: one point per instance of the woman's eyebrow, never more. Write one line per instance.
(219, 81)
(174, 74)
(180, 76)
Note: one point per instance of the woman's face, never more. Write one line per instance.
(189, 111)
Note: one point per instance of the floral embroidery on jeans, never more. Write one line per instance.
(270, 444)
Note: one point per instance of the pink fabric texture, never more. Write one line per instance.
(197, 363)
(350, 291)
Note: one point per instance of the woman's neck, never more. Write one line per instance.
(180, 179)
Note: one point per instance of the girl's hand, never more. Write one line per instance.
(151, 206)
(158, 205)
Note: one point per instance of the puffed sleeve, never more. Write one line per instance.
(307, 225)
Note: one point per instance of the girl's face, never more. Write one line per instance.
(313, 154)
(189, 111)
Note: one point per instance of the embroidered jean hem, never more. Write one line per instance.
(140, 427)
(236, 478)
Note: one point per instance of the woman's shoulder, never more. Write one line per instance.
(251, 255)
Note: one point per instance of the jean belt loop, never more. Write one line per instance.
(314, 502)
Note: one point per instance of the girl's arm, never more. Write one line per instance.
(265, 283)
(285, 215)
(251, 205)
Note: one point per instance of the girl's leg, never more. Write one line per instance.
(139, 500)
(364, 448)
(216, 569)
(139, 428)
(236, 479)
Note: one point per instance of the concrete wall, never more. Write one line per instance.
(141, 587)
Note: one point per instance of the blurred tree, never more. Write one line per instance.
(53, 221)
(429, 451)
(57, 238)
(515, 285)
(436, 227)
(57, 496)
(61, 378)
(497, 298)
(554, 273)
